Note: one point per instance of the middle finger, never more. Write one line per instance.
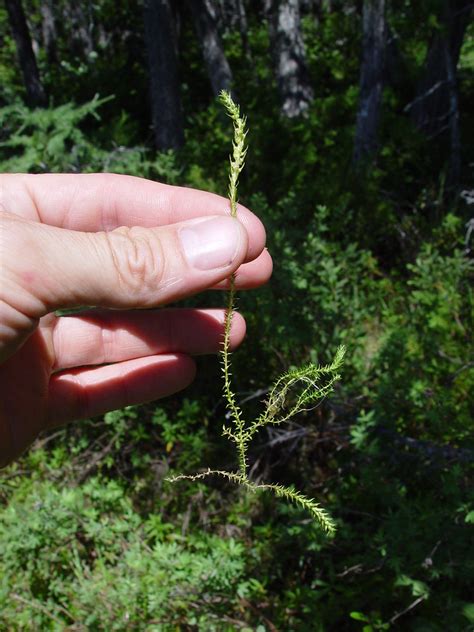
(101, 336)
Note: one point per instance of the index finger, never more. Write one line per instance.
(104, 201)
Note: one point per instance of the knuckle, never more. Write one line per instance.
(137, 257)
(82, 404)
(106, 344)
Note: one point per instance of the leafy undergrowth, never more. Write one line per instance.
(92, 537)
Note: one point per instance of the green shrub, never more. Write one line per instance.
(83, 555)
(57, 140)
(424, 375)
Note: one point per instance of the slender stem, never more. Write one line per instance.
(234, 410)
(237, 161)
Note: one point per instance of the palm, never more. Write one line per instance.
(24, 386)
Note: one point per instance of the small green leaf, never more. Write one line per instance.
(469, 518)
(358, 616)
(468, 612)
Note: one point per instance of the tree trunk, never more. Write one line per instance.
(205, 23)
(79, 18)
(453, 117)
(231, 14)
(371, 79)
(435, 110)
(48, 27)
(161, 44)
(287, 45)
(35, 93)
(430, 111)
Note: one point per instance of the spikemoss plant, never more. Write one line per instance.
(293, 392)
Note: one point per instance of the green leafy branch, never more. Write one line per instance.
(293, 392)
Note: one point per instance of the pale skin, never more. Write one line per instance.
(121, 244)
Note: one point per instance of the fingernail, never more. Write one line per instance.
(212, 242)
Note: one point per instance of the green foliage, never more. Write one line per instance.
(46, 139)
(83, 554)
(340, 291)
(89, 535)
(424, 370)
(58, 140)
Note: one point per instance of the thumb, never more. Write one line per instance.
(45, 268)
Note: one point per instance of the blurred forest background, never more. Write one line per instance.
(361, 165)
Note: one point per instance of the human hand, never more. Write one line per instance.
(118, 243)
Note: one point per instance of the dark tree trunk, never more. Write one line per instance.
(79, 18)
(162, 49)
(396, 68)
(231, 14)
(371, 79)
(435, 110)
(288, 51)
(430, 111)
(48, 26)
(454, 131)
(35, 93)
(205, 23)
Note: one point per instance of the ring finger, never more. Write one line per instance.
(99, 337)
